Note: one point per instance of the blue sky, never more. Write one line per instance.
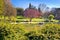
(24, 3)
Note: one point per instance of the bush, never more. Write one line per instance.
(10, 32)
(51, 31)
(19, 32)
(35, 36)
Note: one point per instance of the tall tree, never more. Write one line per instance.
(1, 7)
(9, 9)
(31, 6)
(44, 9)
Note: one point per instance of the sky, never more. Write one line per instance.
(25, 3)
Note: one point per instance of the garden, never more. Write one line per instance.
(31, 23)
(29, 31)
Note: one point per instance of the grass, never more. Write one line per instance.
(23, 19)
(34, 20)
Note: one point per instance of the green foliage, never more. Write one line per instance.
(51, 31)
(12, 18)
(1, 7)
(51, 17)
(20, 11)
(10, 31)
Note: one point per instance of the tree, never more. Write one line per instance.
(6, 9)
(43, 8)
(20, 11)
(51, 17)
(31, 13)
(31, 6)
(1, 8)
(9, 9)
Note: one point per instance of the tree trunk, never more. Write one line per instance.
(30, 20)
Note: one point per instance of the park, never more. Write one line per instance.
(31, 23)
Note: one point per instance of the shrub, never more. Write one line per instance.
(10, 32)
(20, 32)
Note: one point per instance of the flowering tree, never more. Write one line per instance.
(31, 13)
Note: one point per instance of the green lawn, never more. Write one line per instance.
(35, 20)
